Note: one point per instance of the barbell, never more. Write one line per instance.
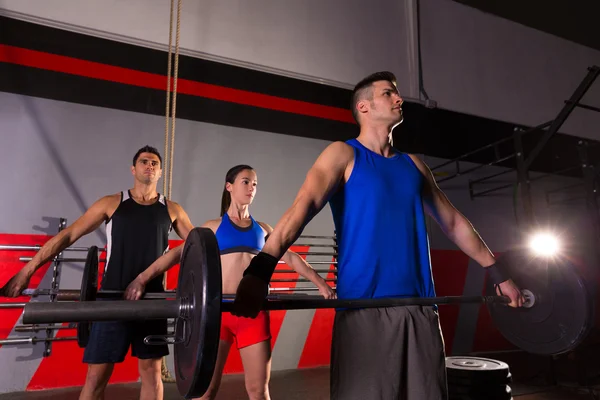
(546, 325)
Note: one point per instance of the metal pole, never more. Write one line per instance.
(34, 340)
(6, 306)
(23, 247)
(373, 303)
(316, 237)
(313, 245)
(296, 289)
(472, 169)
(487, 146)
(523, 179)
(564, 113)
(589, 179)
(485, 178)
(37, 328)
(49, 313)
(495, 189)
(585, 106)
(54, 286)
(27, 259)
(40, 313)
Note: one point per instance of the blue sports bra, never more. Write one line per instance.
(235, 239)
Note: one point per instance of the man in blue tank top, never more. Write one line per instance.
(378, 199)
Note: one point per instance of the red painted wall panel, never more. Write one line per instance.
(316, 350)
(449, 273)
(9, 266)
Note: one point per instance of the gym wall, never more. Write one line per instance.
(472, 62)
(311, 38)
(71, 122)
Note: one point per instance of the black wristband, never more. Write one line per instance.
(262, 266)
(497, 274)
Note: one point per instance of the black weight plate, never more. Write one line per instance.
(480, 380)
(197, 330)
(480, 397)
(89, 290)
(561, 316)
(490, 390)
(493, 393)
(477, 369)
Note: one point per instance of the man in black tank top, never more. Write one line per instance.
(138, 223)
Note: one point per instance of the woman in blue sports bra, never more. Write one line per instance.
(241, 237)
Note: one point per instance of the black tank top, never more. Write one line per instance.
(136, 236)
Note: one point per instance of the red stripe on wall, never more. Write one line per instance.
(95, 70)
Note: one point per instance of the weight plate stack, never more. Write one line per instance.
(475, 378)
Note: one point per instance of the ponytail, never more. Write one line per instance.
(225, 201)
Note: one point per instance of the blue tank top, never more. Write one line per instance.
(234, 239)
(381, 230)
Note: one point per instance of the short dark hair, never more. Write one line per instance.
(147, 149)
(362, 88)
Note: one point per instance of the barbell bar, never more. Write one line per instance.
(296, 289)
(314, 245)
(58, 259)
(86, 311)
(549, 326)
(74, 295)
(38, 328)
(37, 247)
(64, 260)
(34, 340)
(8, 306)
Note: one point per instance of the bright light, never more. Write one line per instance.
(544, 244)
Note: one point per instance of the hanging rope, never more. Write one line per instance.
(175, 74)
(168, 107)
(170, 122)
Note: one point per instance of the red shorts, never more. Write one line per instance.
(246, 331)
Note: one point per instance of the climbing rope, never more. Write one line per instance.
(171, 109)
(170, 123)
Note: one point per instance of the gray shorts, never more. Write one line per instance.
(387, 354)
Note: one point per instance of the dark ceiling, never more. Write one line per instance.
(575, 20)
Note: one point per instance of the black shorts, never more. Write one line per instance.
(110, 341)
(387, 354)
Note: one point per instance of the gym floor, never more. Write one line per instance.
(312, 384)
